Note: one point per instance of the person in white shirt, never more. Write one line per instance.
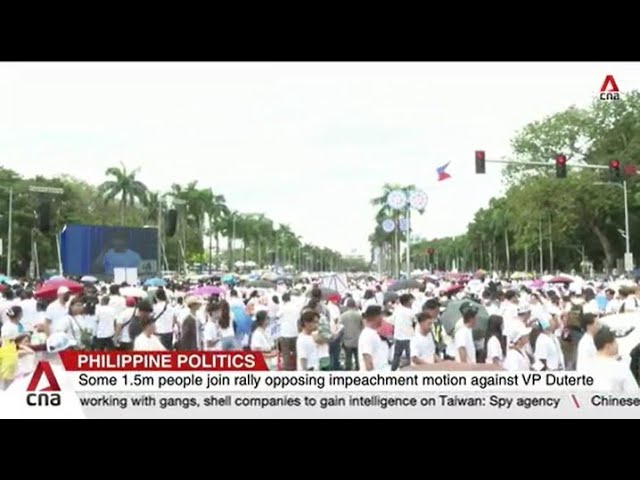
(164, 318)
(288, 316)
(494, 343)
(613, 305)
(261, 342)
(547, 349)
(465, 348)
(368, 299)
(12, 328)
(423, 346)
(609, 373)
(403, 321)
(211, 335)
(29, 307)
(123, 321)
(373, 352)
(147, 341)
(57, 311)
(516, 359)
(586, 347)
(306, 348)
(105, 325)
(116, 301)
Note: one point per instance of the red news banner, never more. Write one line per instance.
(74, 361)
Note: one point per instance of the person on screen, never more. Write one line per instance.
(609, 373)
(118, 255)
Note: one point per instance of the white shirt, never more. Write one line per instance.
(516, 361)
(403, 319)
(5, 305)
(307, 349)
(260, 341)
(371, 344)
(494, 350)
(143, 343)
(548, 349)
(334, 312)
(211, 333)
(611, 375)
(123, 319)
(423, 347)
(57, 313)
(289, 315)
(164, 321)
(9, 330)
(586, 352)
(105, 319)
(464, 338)
(29, 313)
(118, 303)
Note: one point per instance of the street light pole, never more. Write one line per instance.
(626, 218)
(10, 232)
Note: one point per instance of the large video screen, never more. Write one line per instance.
(98, 249)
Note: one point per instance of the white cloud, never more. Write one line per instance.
(306, 143)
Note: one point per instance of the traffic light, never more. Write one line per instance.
(614, 171)
(431, 250)
(561, 166)
(480, 163)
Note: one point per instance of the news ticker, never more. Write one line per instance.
(238, 385)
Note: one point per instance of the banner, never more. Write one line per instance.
(98, 249)
(238, 385)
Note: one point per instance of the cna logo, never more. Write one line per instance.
(47, 396)
(609, 89)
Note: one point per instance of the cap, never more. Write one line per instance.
(62, 290)
(518, 333)
(58, 341)
(523, 309)
(145, 306)
(192, 300)
(130, 302)
(544, 321)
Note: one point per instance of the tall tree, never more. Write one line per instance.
(126, 186)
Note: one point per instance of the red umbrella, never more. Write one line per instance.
(453, 289)
(50, 288)
(560, 280)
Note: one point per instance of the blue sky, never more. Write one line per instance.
(306, 143)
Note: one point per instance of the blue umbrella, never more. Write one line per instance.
(154, 282)
(229, 279)
(5, 279)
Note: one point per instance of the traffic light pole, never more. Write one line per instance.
(547, 164)
(628, 260)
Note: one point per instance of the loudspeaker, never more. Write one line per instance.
(171, 223)
(44, 216)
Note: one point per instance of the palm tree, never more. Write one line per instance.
(218, 211)
(124, 185)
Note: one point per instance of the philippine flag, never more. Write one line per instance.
(442, 174)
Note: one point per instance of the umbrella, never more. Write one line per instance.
(261, 284)
(136, 292)
(405, 284)
(5, 279)
(49, 289)
(154, 282)
(561, 279)
(207, 291)
(326, 293)
(453, 289)
(229, 279)
(452, 315)
(390, 297)
(89, 279)
(57, 277)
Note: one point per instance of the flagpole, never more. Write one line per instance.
(408, 240)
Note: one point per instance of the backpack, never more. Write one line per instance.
(135, 328)
(574, 317)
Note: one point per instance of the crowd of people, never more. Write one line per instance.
(301, 327)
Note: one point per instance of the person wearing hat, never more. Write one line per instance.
(373, 352)
(57, 311)
(516, 358)
(189, 331)
(547, 348)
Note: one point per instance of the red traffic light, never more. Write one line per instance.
(480, 162)
(614, 164)
(561, 160)
(431, 251)
(561, 166)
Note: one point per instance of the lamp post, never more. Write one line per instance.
(628, 256)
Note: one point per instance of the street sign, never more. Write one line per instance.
(50, 190)
(628, 261)
(388, 225)
(397, 199)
